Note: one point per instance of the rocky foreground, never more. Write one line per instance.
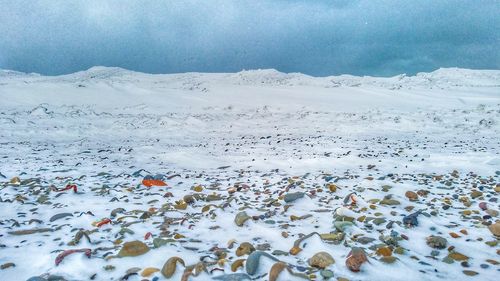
(250, 225)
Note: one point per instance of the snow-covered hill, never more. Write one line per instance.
(227, 143)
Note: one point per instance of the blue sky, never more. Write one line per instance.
(364, 37)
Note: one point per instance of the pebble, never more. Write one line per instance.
(133, 249)
(495, 228)
(326, 273)
(290, 197)
(321, 260)
(355, 259)
(241, 218)
(475, 194)
(412, 196)
(470, 273)
(437, 242)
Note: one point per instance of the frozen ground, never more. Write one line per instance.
(264, 134)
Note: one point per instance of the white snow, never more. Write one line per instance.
(253, 121)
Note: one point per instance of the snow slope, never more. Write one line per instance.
(263, 128)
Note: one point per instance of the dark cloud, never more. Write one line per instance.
(363, 37)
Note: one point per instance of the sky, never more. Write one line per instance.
(319, 38)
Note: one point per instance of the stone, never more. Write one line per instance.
(495, 228)
(149, 271)
(437, 242)
(342, 225)
(355, 259)
(290, 197)
(241, 218)
(412, 196)
(326, 274)
(470, 273)
(389, 202)
(384, 251)
(244, 249)
(170, 266)
(321, 260)
(133, 249)
(458, 257)
(491, 212)
(475, 194)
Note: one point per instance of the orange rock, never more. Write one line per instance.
(384, 251)
(355, 259)
(150, 183)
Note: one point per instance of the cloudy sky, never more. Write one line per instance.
(361, 37)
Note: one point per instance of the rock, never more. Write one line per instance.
(244, 249)
(342, 225)
(290, 197)
(60, 216)
(333, 237)
(411, 219)
(412, 196)
(389, 202)
(276, 269)
(475, 194)
(321, 260)
(15, 181)
(149, 271)
(233, 277)
(495, 228)
(133, 270)
(279, 253)
(454, 235)
(399, 251)
(355, 259)
(241, 218)
(491, 243)
(7, 265)
(133, 249)
(483, 206)
(326, 273)
(384, 251)
(331, 187)
(252, 263)
(365, 240)
(158, 242)
(170, 266)
(30, 231)
(379, 221)
(437, 242)
(458, 257)
(491, 212)
(470, 273)
(237, 264)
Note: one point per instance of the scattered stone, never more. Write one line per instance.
(290, 197)
(321, 260)
(133, 249)
(7, 265)
(437, 242)
(495, 228)
(470, 273)
(355, 259)
(412, 196)
(241, 218)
